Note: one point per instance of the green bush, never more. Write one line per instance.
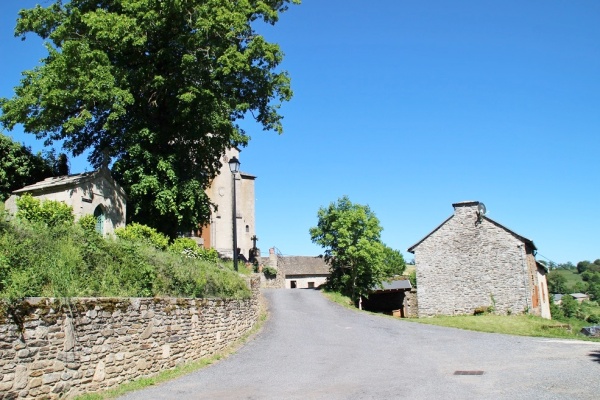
(190, 249)
(144, 234)
(35, 261)
(87, 223)
(269, 271)
(49, 212)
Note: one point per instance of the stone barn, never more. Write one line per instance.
(94, 193)
(471, 261)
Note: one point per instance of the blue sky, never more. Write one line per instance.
(410, 106)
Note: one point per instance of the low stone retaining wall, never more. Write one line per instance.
(51, 350)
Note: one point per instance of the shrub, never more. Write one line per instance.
(144, 234)
(49, 212)
(269, 271)
(35, 262)
(569, 306)
(190, 249)
(593, 319)
(412, 277)
(87, 223)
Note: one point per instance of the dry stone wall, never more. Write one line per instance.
(51, 350)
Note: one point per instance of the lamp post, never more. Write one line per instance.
(234, 167)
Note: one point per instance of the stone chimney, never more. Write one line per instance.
(272, 258)
(467, 209)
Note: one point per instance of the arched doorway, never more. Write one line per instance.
(99, 215)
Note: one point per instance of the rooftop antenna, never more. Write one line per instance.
(481, 209)
(480, 212)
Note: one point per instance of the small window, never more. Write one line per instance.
(311, 285)
(247, 228)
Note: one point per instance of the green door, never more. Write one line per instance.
(99, 215)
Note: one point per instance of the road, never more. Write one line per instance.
(313, 349)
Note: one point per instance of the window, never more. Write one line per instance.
(311, 285)
(247, 228)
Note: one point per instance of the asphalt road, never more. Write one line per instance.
(313, 349)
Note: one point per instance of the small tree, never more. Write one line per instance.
(569, 306)
(557, 283)
(350, 234)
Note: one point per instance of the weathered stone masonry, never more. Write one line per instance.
(51, 350)
(471, 261)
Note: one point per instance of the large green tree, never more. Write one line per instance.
(155, 86)
(351, 236)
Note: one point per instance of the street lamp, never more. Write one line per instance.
(234, 166)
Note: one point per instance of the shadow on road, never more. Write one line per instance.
(595, 355)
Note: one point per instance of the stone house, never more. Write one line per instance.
(94, 193)
(296, 272)
(304, 272)
(218, 233)
(471, 261)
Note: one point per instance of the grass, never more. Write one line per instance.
(519, 325)
(339, 298)
(179, 371)
(571, 276)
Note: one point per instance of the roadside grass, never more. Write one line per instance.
(519, 325)
(179, 371)
(338, 298)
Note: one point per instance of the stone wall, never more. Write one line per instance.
(469, 262)
(410, 304)
(51, 350)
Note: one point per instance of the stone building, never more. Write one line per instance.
(296, 272)
(471, 261)
(94, 193)
(218, 234)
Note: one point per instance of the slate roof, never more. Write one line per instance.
(397, 285)
(59, 182)
(303, 265)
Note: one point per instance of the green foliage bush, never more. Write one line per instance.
(269, 271)
(75, 261)
(87, 223)
(49, 212)
(190, 249)
(144, 234)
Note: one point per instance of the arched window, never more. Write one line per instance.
(99, 215)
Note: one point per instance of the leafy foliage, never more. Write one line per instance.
(569, 306)
(412, 277)
(189, 248)
(20, 167)
(142, 233)
(41, 260)
(350, 234)
(557, 283)
(157, 87)
(269, 271)
(49, 212)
